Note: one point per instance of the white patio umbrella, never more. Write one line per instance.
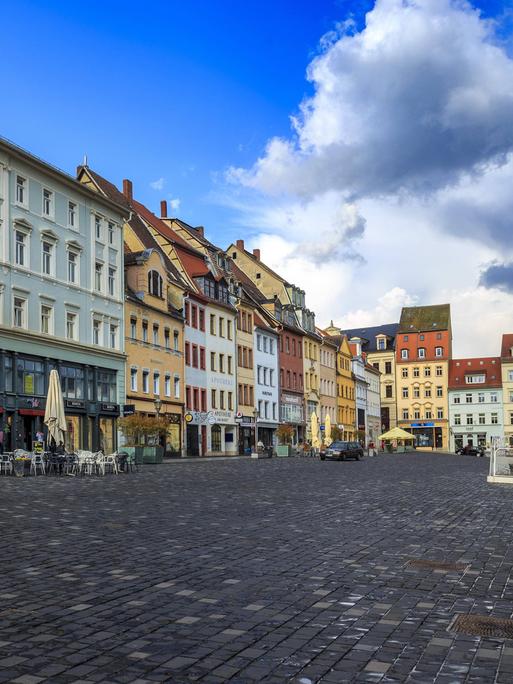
(314, 426)
(327, 430)
(55, 420)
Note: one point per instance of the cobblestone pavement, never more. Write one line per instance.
(287, 570)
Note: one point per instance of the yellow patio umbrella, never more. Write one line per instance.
(55, 420)
(314, 427)
(396, 433)
(327, 430)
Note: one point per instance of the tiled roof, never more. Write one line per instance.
(248, 285)
(507, 345)
(368, 335)
(424, 318)
(489, 366)
(106, 186)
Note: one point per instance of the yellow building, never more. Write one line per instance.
(346, 399)
(328, 378)
(423, 352)
(153, 344)
(507, 385)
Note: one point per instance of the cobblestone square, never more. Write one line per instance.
(285, 570)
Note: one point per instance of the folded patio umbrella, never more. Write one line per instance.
(55, 420)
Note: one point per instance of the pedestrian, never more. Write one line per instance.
(1, 441)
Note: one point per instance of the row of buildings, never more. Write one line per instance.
(141, 313)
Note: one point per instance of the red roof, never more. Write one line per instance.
(489, 366)
(507, 346)
(160, 226)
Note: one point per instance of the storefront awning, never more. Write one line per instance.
(30, 412)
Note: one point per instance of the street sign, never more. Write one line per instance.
(128, 409)
(211, 420)
(188, 417)
(322, 428)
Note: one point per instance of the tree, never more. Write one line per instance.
(285, 432)
(138, 429)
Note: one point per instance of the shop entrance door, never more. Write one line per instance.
(27, 431)
(192, 440)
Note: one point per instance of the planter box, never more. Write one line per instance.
(153, 454)
(136, 451)
(283, 450)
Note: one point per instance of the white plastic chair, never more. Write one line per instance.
(37, 461)
(5, 464)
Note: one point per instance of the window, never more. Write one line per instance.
(21, 190)
(439, 413)
(405, 414)
(216, 437)
(405, 393)
(404, 372)
(98, 227)
(203, 364)
(187, 313)
(259, 342)
(416, 392)
(113, 335)
(212, 324)
(221, 399)
(221, 326)
(470, 419)
(176, 340)
(421, 337)
(202, 319)
(19, 312)
(271, 377)
(495, 419)
(221, 363)
(145, 331)
(72, 266)
(468, 398)
(187, 354)
(229, 329)
(72, 214)
(439, 371)
(421, 353)
(376, 365)
(481, 398)
(194, 316)
(429, 415)
(405, 338)
(381, 343)
(112, 281)
(510, 375)
(493, 397)
(388, 391)
(404, 353)
(388, 367)
(439, 351)
(47, 253)
(46, 319)
(475, 379)
(98, 276)
(133, 379)
(156, 335)
(456, 399)
(176, 384)
(481, 419)
(416, 372)
(457, 419)
(111, 232)
(213, 398)
(21, 239)
(230, 369)
(194, 356)
(145, 381)
(439, 392)
(96, 331)
(212, 361)
(167, 385)
(47, 202)
(427, 392)
(416, 414)
(427, 371)
(510, 418)
(30, 376)
(71, 325)
(155, 284)
(156, 382)
(166, 338)
(271, 347)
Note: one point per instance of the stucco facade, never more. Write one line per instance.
(507, 386)
(328, 379)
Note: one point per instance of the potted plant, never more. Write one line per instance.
(284, 433)
(21, 465)
(142, 435)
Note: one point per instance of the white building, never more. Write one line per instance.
(475, 402)
(361, 385)
(373, 425)
(195, 376)
(267, 391)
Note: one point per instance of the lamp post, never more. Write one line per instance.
(255, 413)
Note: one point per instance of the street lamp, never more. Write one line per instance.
(158, 403)
(255, 413)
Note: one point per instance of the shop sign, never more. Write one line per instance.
(28, 384)
(109, 407)
(33, 402)
(423, 425)
(75, 403)
(220, 416)
(291, 399)
(322, 428)
(128, 409)
(38, 446)
(173, 418)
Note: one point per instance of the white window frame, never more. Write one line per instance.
(110, 232)
(146, 381)
(24, 247)
(50, 318)
(75, 323)
(72, 215)
(111, 281)
(96, 329)
(176, 383)
(98, 276)
(133, 379)
(167, 385)
(76, 263)
(404, 353)
(23, 311)
(156, 382)
(421, 353)
(97, 223)
(50, 255)
(24, 190)
(439, 351)
(51, 203)
(113, 335)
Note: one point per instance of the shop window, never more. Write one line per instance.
(106, 386)
(30, 377)
(72, 382)
(107, 435)
(216, 437)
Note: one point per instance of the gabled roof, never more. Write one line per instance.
(368, 335)
(424, 318)
(507, 346)
(489, 366)
(131, 296)
(258, 261)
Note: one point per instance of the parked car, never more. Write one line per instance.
(471, 451)
(340, 451)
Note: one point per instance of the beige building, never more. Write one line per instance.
(328, 378)
(423, 353)
(507, 385)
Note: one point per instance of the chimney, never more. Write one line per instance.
(256, 254)
(127, 189)
(201, 230)
(240, 244)
(163, 208)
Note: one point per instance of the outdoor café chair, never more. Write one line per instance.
(6, 464)
(37, 462)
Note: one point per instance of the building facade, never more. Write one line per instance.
(423, 353)
(267, 375)
(61, 303)
(476, 412)
(328, 379)
(373, 409)
(361, 385)
(507, 386)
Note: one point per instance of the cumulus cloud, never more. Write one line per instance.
(387, 310)
(158, 184)
(420, 96)
(174, 203)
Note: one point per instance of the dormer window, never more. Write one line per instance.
(155, 284)
(382, 343)
(439, 351)
(421, 353)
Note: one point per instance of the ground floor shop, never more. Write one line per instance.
(210, 433)
(171, 413)
(481, 436)
(246, 431)
(267, 433)
(428, 434)
(92, 386)
(292, 413)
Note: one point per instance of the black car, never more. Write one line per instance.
(340, 451)
(471, 451)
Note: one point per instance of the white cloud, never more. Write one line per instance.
(395, 184)
(174, 203)
(158, 184)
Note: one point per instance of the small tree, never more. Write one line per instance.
(285, 432)
(336, 434)
(139, 430)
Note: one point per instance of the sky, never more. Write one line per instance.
(365, 147)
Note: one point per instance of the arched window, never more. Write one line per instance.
(216, 437)
(155, 283)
